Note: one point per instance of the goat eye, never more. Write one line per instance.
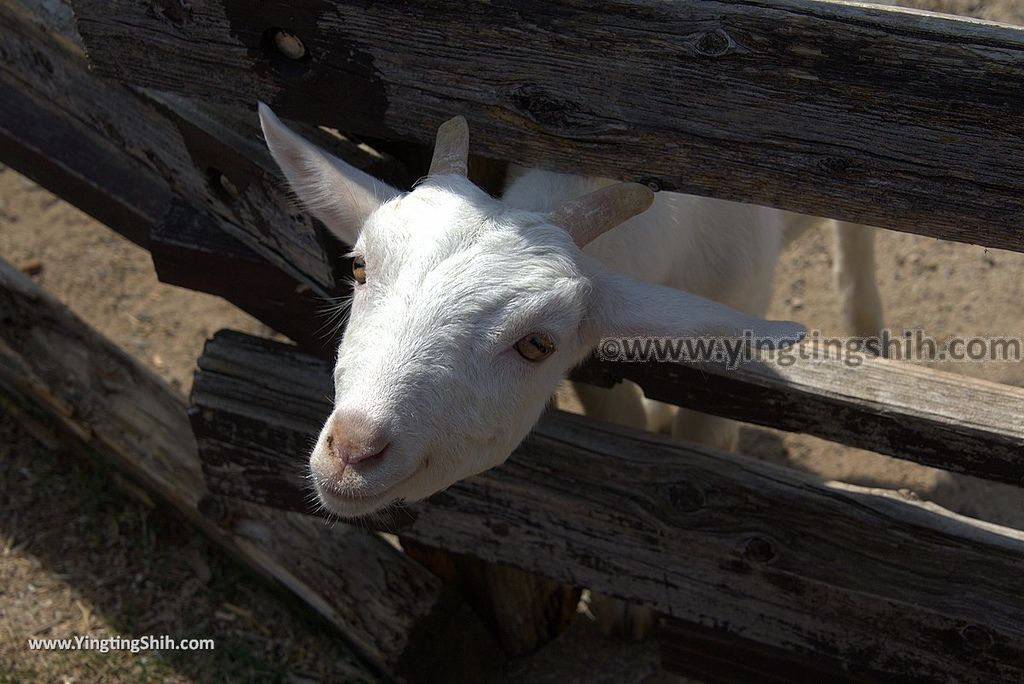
(359, 269)
(535, 347)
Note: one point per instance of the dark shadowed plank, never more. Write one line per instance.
(879, 584)
(876, 115)
(715, 656)
(144, 166)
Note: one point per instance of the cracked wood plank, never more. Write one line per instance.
(876, 115)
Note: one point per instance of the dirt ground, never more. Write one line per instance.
(78, 557)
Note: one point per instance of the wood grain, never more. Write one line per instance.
(145, 165)
(940, 419)
(885, 586)
(880, 116)
(57, 373)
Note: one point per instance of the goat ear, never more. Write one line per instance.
(334, 191)
(628, 307)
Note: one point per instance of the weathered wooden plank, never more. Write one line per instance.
(56, 152)
(58, 372)
(939, 419)
(242, 187)
(885, 586)
(881, 116)
(189, 250)
(131, 162)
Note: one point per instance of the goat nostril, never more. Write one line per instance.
(348, 454)
(355, 438)
(354, 457)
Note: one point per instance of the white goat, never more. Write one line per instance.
(468, 311)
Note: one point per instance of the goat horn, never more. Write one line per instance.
(595, 213)
(451, 149)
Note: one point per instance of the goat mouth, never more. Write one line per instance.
(353, 505)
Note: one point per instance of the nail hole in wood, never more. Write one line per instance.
(221, 185)
(286, 52)
(977, 637)
(213, 509)
(758, 550)
(289, 44)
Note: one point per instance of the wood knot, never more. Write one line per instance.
(686, 497)
(758, 550)
(543, 106)
(977, 638)
(289, 44)
(221, 185)
(176, 11)
(837, 166)
(713, 43)
(908, 494)
(653, 183)
(213, 509)
(500, 529)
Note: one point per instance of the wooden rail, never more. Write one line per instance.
(939, 419)
(880, 116)
(149, 166)
(874, 583)
(764, 561)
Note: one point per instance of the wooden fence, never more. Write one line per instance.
(844, 573)
(879, 116)
(889, 117)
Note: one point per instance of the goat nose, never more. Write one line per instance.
(355, 437)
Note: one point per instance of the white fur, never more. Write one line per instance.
(721, 250)
(454, 278)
